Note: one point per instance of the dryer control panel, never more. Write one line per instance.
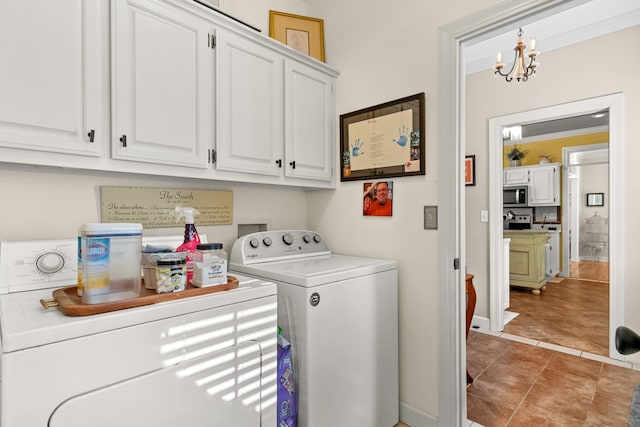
(266, 246)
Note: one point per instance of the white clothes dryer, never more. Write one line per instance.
(200, 361)
(340, 314)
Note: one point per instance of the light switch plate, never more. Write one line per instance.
(430, 217)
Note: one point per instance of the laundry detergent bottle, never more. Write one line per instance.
(191, 237)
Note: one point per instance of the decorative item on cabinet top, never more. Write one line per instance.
(515, 154)
(383, 141)
(301, 33)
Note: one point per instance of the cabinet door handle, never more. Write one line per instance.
(292, 164)
(123, 139)
(91, 135)
(279, 163)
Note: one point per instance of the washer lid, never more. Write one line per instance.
(25, 324)
(315, 271)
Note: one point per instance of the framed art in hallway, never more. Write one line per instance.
(595, 199)
(470, 170)
(301, 33)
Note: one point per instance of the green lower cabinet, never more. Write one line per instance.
(527, 259)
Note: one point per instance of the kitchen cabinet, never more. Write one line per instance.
(544, 185)
(516, 176)
(309, 122)
(53, 78)
(250, 106)
(275, 113)
(162, 87)
(552, 255)
(162, 84)
(527, 259)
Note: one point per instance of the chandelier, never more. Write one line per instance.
(519, 70)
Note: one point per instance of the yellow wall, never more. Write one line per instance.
(553, 147)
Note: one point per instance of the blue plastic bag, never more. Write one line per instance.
(287, 399)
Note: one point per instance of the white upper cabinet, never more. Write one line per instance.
(54, 76)
(309, 122)
(249, 79)
(162, 84)
(516, 176)
(161, 87)
(544, 185)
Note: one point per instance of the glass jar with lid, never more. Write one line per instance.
(209, 265)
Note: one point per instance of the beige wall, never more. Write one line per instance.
(387, 50)
(51, 203)
(593, 68)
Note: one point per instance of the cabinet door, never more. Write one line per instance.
(545, 186)
(309, 122)
(249, 106)
(162, 84)
(53, 92)
(516, 176)
(553, 267)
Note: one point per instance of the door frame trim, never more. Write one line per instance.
(451, 150)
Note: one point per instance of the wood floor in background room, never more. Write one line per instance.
(573, 313)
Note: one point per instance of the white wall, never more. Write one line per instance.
(51, 203)
(384, 51)
(566, 75)
(256, 13)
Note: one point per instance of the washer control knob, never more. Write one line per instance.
(50, 262)
(317, 238)
(267, 241)
(306, 238)
(287, 239)
(254, 243)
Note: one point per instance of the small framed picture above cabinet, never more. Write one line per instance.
(595, 199)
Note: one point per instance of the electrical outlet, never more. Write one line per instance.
(430, 217)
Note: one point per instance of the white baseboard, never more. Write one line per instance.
(481, 322)
(415, 418)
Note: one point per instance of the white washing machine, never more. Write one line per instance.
(340, 314)
(200, 361)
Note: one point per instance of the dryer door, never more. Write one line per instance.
(220, 389)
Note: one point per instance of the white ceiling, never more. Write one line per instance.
(591, 19)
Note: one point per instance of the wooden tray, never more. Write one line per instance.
(70, 304)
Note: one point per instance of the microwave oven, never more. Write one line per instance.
(513, 197)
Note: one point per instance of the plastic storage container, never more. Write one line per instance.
(171, 275)
(111, 261)
(149, 262)
(209, 265)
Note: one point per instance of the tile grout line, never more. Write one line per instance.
(528, 392)
(561, 349)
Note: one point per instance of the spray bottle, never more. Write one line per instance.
(191, 237)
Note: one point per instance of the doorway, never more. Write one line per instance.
(452, 136)
(614, 104)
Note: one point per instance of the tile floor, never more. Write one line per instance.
(573, 313)
(517, 384)
(549, 367)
